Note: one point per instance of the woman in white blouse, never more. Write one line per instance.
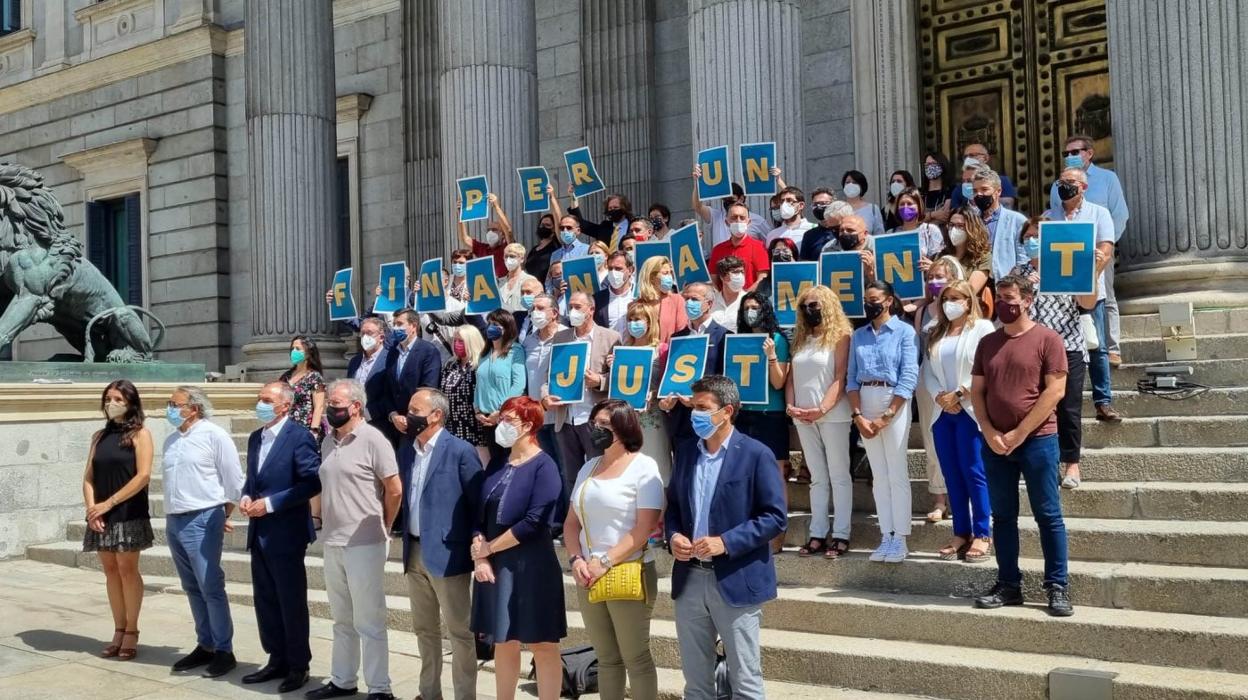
(616, 503)
(950, 352)
(509, 285)
(815, 399)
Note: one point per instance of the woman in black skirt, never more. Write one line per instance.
(518, 597)
(114, 489)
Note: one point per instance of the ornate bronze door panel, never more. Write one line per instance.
(1018, 76)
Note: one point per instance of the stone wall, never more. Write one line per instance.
(828, 100)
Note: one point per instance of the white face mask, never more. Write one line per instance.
(738, 228)
(506, 434)
(957, 236)
(736, 281)
(852, 190)
(576, 317)
(491, 237)
(616, 278)
(511, 263)
(954, 310)
(539, 319)
(970, 163)
(368, 342)
(788, 211)
(896, 188)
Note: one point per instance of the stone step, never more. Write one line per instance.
(1215, 402)
(1166, 431)
(1226, 346)
(1210, 372)
(1208, 322)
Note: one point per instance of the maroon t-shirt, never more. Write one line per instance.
(1014, 369)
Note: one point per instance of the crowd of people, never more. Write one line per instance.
(444, 435)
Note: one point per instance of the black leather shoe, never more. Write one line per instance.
(329, 690)
(195, 659)
(222, 663)
(1000, 595)
(294, 681)
(1059, 601)
(380, 696)
(268, 673)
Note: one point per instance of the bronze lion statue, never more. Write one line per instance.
(45, 279)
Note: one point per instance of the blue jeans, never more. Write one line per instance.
(195, 541)
(958, 445)
(1036, 460)
(1098, 359)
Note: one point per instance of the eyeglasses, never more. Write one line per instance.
(1073, 151)
(812, 307)
(178, 406)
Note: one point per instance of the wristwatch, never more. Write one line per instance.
(889, 414)
(605, 560)
(855, 414)
(575, 558)
(958, 392)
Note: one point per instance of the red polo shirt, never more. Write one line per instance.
(480, 249)
(751, 252)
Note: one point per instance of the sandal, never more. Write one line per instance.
(938, 514)
(113, 649)
(128, 653)
(814, 546)
(836, 550)
(802, 476)
(954, 551)
(975, 554)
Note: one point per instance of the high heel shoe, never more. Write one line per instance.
(128, 653)
(112, 650)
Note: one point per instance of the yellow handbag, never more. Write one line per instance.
(622, 581)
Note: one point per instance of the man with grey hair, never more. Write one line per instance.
(368, 368)
(442, 478)
(360, 494)
(1004, 225)
(537, 346)
(202, 480)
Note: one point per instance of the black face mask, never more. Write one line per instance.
(983, 202)
(818, 211)
(782, 255)
(1067, 191)
(600, 437)
(848, 241)
(337, 416)
(813, 317)
(775, 217)
(658, 224)
(615, 214)
(416, 424)
(872, 310)
(545, 232)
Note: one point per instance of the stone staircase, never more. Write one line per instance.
(1159, 571)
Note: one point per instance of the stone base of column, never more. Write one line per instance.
(1207, 285)
(267, 359)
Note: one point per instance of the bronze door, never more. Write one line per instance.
(1018, 76)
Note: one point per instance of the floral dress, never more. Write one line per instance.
(305, 388)
(459, 383)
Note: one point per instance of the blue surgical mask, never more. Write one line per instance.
(567, 237)
(703, 426)
(968, 190)
(493, 331)
(1073, 161)
(458, 269)
(398, 335)
(693, 308)
(599, 260)
(526, 301)
(297, 356)
(636, 328)
(174, 415)
(667, 283)
(265, 412)
(1031, 247)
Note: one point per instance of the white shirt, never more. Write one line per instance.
(947, 350)
(609, 509)
(870, 213)
(814, 368)
(617, 309)
(931, 241)
(201, 468)
(794, 233)
(267, 437)
(537, 364)
(725, 314)
(366, 366)
(417, 484)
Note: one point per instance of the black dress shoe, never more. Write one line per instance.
(222, 663)
(1000, 595)
(380, 696)
(1059, 601)
(268, 673)
(195, 659)
(329, 690)
(294, 681)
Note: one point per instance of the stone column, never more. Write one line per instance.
(54, 37)
(616, 77)
(887, 132)
(422, 132)
(1179, 86)
(745, 63)
(488, 100)
(289, 80)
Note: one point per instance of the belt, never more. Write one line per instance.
(702, 564)
(876, 382)
(413, 538)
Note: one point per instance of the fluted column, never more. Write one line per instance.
(426, 200)
(488, 98)
(1179, 85)
(886, 88)
(616, 77)
(289, 81)
(745, 61)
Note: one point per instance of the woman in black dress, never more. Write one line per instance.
(518, 596)
(114, 489)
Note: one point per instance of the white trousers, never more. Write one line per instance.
(887, 453)
(926, 405)
(825, 446)
(357, 602)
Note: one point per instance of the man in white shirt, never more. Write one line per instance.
(537, 364)
(612, 301)
(793, 222)
(717, 216)
(202, 480)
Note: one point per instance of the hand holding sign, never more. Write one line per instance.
(581, 172)
(745, 362)
(758, 171)
(686, 363)
(566, 380)
(686, 251)
(714, 173)
(342, 299)
(535, 189)
(430, 292)
(473, 202)
(483, 296)
(393, 288)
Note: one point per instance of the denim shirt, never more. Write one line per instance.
(891, 355)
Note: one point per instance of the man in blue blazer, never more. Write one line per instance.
(441, 477)
(411, 363)
(283, 462)
(368, 367)
(699, 298)
(725, 503)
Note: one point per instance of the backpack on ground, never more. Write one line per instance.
(580, 671)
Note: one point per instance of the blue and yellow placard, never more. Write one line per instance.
(841, 272)
(533, 194)
(473, 194)
(687, 258)
(897, 262)
(342, 300)
(716, 180)
(581, 274)
(482, 287)
(393, 282)
(630, 375)
(1067, 257)
(757, 160)
(788, 281)
(581, 172)
(649, 249)
(431, 297)
(568, 362)
(686, 363)
(746, 364)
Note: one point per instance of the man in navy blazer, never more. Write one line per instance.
(411, 363)
(368, 367)
(441, 477)
(699, 297)
(283, 462)
(725, 503)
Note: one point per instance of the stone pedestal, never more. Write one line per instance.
(1179, 75)
(745, 62)
(290, 109)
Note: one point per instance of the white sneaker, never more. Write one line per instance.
(897, 553)
(886, 545)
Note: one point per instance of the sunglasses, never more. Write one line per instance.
(1073, 152)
